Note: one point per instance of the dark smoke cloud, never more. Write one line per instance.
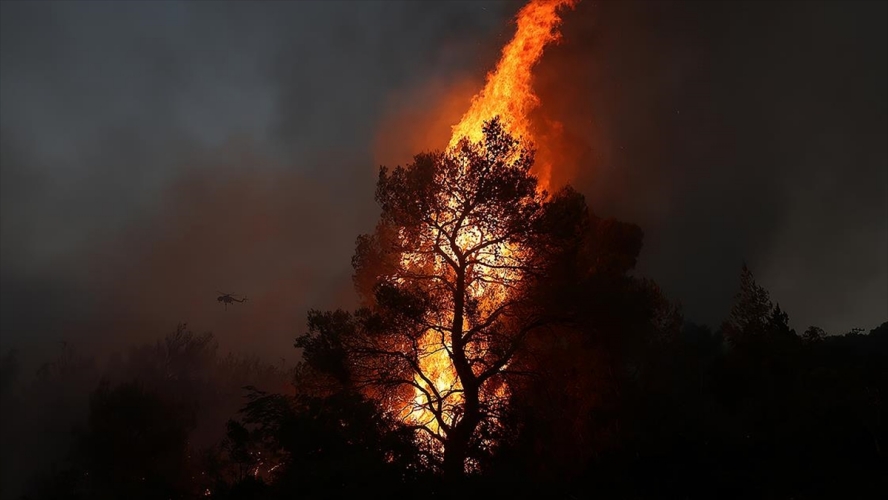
(745, 131)
(154, 153)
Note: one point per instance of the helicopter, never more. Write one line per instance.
(230, 298)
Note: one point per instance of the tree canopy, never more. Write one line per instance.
(470, 265)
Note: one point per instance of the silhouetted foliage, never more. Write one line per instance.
(137, 444)
(621, 401)
(163, 398)
(332, 447)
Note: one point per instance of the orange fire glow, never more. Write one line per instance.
(508, 93)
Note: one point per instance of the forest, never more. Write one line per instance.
(504, 346)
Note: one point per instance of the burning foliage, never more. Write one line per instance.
(470, 269)
(458, 224)
(443, 278)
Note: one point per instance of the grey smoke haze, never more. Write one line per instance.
(154, 153)
(753, 131)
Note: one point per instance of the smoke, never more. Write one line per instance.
(421, 119)
(155, 154)
(279, 238)
(735, 132)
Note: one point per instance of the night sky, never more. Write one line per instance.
(153, 154)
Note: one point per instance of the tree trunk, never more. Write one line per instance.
(455, 452)
(456, 446)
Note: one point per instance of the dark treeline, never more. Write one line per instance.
(782, 415)
(611, 393)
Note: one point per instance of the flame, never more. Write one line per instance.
(507, 93)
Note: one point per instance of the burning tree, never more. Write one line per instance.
(449, 274)
(447, 282)
(444, 271)
(474, 282)
(470, 275)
